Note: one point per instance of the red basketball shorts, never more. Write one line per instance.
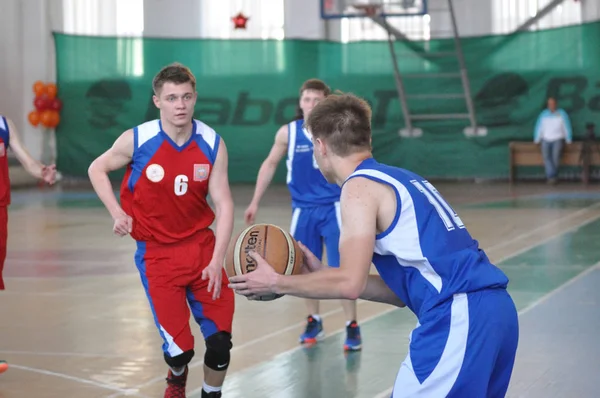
(3, 240)
(172, 277)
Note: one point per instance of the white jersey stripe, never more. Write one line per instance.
(403, 240)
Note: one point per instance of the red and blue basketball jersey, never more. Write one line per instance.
(4, 175)
(165, 187)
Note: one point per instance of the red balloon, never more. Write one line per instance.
(41, 103)
(55, 104)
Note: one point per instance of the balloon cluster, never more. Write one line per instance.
(47, 105)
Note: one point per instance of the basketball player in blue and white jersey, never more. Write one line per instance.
(315, 205)
(466, 338)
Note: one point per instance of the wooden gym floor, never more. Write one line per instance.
(74, 320)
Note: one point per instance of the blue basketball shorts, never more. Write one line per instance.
(466, 347)
(318, 225)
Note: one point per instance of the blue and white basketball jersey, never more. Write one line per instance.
(307, 185)
(426, 255)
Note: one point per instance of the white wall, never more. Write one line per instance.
(474, 18)
(212, 18)
(11, 100)
(27, 52)
(590, 10)
(508, 15)
(161, 19)
(300, 20)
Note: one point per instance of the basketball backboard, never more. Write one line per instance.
(335, 9)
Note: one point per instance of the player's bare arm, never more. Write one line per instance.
(375, 290)
(115, 158)
(220, 192)
(32, 166)
(359, 209)
(267, 171)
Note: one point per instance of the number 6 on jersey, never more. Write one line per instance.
(448, 216)
(181, 184)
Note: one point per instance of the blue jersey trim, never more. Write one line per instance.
(215, 151)
(6, 137)
(173, 144)
(211, 154)
(142, 156)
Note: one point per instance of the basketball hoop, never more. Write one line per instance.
(369, 10)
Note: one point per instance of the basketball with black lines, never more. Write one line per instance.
(272, 243)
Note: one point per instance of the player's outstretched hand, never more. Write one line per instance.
(311, 262)
(123, 225)
(250, 214)
(49, 174)
(261, 281)
(214, 273)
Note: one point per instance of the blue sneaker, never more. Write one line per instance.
(313, 332)
(353, 341)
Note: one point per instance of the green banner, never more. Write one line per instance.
(248, 88)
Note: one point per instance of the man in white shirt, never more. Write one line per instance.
(552, 130)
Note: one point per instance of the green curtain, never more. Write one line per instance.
(248, 88)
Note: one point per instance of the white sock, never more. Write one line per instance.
(208, 388)
(316, 317)
(178, 372)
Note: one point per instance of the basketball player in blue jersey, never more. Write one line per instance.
(466, 338)
(315, 205)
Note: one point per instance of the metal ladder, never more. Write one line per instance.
(409, 130)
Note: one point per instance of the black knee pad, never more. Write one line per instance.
(218, 351)
(180, 360)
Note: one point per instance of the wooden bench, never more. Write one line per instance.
(530, 154)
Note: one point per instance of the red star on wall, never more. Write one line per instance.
(239, 21)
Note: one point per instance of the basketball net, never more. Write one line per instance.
(368, 10)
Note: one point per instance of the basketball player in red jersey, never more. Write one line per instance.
(173, 163)
(10, 138)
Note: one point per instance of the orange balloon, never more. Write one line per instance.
(34, 118)
(53, 118)
(51, 90)
(39, 88)
(46, 118)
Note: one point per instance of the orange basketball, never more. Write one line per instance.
(273, 244)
